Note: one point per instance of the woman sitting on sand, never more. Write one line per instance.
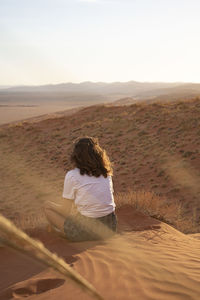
(89, 187)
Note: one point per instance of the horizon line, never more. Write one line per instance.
(95, 82)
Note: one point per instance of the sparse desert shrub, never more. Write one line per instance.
(118, 134)
(155, 186)
(188, 154)
(175, 190)
(55, 135)
(172, 213)
(124, 172)
(20, 124)
(142, 132)
(30, 221)
(161, 173)
(137, 181)
(164, 185)
(29, 128)
(146, 202)
(2, 135)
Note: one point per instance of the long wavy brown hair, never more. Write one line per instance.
(90, 158)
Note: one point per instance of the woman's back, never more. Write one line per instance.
(93, 196)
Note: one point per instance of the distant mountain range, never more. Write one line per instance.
(130, 87)
(2, 87)
(98, 92)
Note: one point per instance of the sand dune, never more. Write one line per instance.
(148, 259)
(154, 148)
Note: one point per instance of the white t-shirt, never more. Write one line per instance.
(93, 196)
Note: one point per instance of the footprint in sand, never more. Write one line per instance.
(36, 287)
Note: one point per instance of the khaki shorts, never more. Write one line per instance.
(80, 228)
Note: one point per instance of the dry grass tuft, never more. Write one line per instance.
(172, 213)
(30, 221)
(17, 239)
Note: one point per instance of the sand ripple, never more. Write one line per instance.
(152, 264)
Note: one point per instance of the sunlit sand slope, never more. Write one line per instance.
(154, 262)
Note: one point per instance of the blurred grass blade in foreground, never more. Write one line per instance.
(19, 240)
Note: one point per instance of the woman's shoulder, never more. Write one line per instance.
(72, 176)
(73, 172)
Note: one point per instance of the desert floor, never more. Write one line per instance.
(13, 113)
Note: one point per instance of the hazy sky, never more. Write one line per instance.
(53, 41)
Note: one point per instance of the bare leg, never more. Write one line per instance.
(54, 216)
(55, 219)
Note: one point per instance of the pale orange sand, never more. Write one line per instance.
(146, 260)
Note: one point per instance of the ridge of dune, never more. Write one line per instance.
(147, 259)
